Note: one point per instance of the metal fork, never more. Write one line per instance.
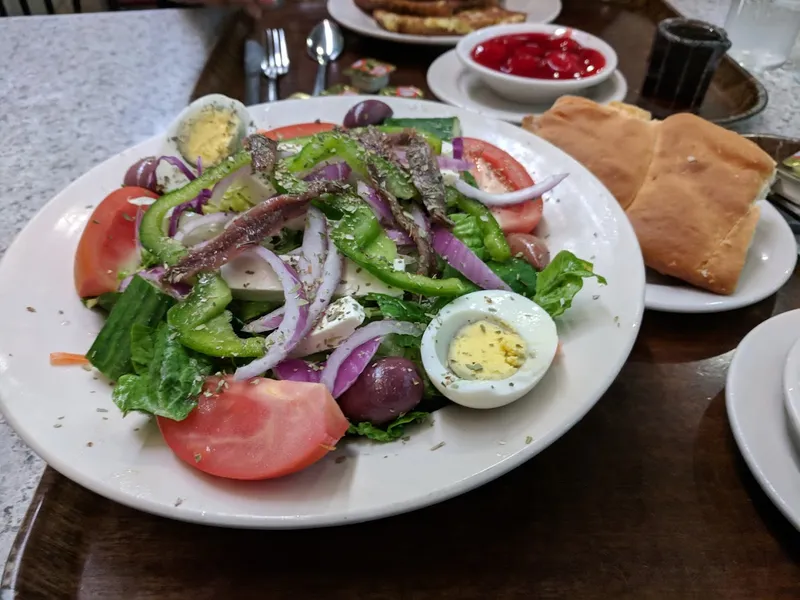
(276, 60)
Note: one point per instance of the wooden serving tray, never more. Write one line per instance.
(628, 25)
(646, 498)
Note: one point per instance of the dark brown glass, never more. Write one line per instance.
(683, 59)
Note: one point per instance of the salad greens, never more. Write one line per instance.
(393, 431)
(141, 304)
(160, 343)
(560, 281)
(168, 377)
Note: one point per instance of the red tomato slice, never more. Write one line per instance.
(257, 429)
(498, 169)
(295, 131)
(108, 244)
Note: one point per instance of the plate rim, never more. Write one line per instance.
(791, 389)
(732, 398)
(728, 303)
(475, 480)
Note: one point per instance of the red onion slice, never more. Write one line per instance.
(376, 203)
(271, 320)
(200, 222)
(331, 274)
(125, 283)
(179, 291)
(195, 205)
(399, 237)
(178, 164)
(421, 221)
(464, 260)
(351, 359)
(320, 271)
(510, 198)
(444, 162)
(295, 369)
(458, 147)
(338, 171)
(314, 248)
(223, 184)
(453, 164)
(294, 323)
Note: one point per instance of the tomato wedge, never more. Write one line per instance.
(108, 244)
(257, 429)
(295, 131)
(496, 170)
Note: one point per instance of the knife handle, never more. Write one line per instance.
(252, 93)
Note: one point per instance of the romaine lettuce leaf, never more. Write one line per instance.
(170, 383)
(393, 430)
(401, 310)
(560, 281)
(518, 274)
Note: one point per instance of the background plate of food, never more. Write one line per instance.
(694, 193)
(207, 439)
(436, 22)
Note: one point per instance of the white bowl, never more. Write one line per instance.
(526, 90)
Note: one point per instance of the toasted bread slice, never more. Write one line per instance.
(424, 8)
(458, 24)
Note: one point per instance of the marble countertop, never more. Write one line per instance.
(75, 86)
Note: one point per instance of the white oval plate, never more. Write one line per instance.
(347, 14)
(60, 411)
(452, 83)
(769, 264)
(791, 387)
(754, 400)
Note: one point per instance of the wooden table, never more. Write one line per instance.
(647, 497)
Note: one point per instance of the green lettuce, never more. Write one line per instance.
(401, 310)
(518, 274)
(168, 385)
(467, 228)
(393, 430)
(560, 281)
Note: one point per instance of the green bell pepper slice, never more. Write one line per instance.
(494, 240)
(204, 325)
(152, 231)
(327, 145)
(358, 229)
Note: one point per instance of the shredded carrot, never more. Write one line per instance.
(62, 359)
(327, 447)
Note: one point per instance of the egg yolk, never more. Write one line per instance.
(486, 350)
(209, 136)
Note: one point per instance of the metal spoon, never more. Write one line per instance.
(324, 44)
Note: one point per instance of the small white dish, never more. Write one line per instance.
(791, 388)
(455, 85)
(347, 14)
(525, 89)
(755, 406)
(770, 262)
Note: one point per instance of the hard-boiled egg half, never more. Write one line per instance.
(210, 129)
(489, 348)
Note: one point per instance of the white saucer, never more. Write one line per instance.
(791, 388)
(770, 262)
(754, 401)
(453, 84)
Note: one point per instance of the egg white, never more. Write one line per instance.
(530, 321)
